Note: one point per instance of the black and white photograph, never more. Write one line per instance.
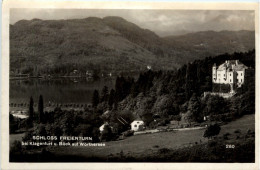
(132, 85)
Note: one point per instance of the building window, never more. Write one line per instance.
(230, 80)
(224, 75)
(241, 80)
(230, 74)
(137, 122)
(241, 74)
(135, 125)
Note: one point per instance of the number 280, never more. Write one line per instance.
(229, 146)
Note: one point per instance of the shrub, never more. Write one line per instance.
(16, 147)
(128, 133)
(212, 143)
(153, 125)
(237, 131)
(225, 136)
(248, 131)
(164, 150)
(106, 134)
(212, 130)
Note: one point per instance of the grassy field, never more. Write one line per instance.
(150, 143)
(163, 146)
(138, 144)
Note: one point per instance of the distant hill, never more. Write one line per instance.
(211, 43)
(110, 44)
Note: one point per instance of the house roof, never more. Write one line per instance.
(106, 123)
(232, 65)
(137, 120)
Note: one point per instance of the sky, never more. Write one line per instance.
(162, 22)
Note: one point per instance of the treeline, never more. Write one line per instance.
(123, 87)
(67, 69)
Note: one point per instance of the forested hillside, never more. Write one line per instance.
(172, 93)
(111, 44)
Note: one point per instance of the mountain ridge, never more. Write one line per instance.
(111, 44)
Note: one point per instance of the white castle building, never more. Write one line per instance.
(231, 72)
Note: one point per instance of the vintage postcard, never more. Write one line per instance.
(129, 85)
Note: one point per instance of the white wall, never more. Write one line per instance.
(135, 125)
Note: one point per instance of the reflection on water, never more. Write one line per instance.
(61, 90)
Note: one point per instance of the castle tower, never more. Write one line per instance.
(214, 73)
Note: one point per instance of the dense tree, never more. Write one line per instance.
(95, 98)
(178, 118)
(194, 108)
(212, 130)
(147, 117)
(244, 101)
(95, 134)
(111, 98)
(40, 109)
(188, 83)
(106, 134)
(31, 110)
(31, 113)
(123, 87)
(13, 126)
(215, 105)
(58, 132)
(41, 131)
(104, 94)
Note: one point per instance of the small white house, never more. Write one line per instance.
(137, 125)
(101, 128)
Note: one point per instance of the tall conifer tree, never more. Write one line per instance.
(40, 109)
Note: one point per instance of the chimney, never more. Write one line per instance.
(236, 62)
(226, 62)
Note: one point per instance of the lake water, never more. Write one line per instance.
(60, 91)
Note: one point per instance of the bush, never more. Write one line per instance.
(237, 131)
(164, 150)
(16, 147)
(128, 133)
(222, 88)
(106, 134)
(212, 130)
(41, 131)
(153, 125)
(212, 143)
(225, 136)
